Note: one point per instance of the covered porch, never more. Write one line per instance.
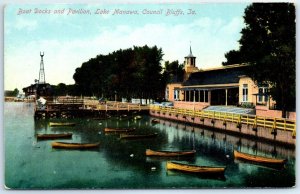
(226, 95)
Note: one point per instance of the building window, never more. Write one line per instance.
(187, 96)
(205, 96)
(175, 94)
(201, 95)
(263, 94)
(245, 92)
(197, 95)
(167, 93)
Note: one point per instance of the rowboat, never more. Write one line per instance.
(258, 159)
(137, 117)
(53, 124)
(150, 152)
(66, 145)
(118, 130)
(54, 136)
(195, 169)
(128, 136)
(154, 121)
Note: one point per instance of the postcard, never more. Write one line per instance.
(178, 95)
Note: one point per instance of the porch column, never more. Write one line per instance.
(226, 92)
(209, 97)
(198, 95)
(190, 96)
(194, 96)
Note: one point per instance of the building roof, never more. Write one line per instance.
(191, 54)
(224, 75)
(35, 85)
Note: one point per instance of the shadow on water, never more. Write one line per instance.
(220, 177)
(277, 167)
(162, 159)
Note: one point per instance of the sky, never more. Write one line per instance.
(68, 39)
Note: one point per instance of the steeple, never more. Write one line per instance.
(190, 60)
(191, 54)
(190, 64)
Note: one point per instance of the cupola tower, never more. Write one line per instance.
(189, 65)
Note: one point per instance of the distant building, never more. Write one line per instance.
(38, 90)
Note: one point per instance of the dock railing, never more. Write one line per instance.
(77, 102)
(112, 105)
(266, 122)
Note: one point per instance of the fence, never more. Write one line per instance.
(111, 105)
(266, 122)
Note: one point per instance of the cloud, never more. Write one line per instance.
(210, 39)
(24, 24)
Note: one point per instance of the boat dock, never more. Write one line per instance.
(271, 129)
(72, 107)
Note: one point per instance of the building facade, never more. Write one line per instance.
(226, 86)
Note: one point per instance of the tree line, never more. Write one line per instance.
(268, 45)
(126, 73)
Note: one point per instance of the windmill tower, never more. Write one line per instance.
(42, 71)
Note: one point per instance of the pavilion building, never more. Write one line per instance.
(224, 86)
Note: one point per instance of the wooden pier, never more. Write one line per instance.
(73, 107)
(272, 129)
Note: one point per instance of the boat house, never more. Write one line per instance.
(36, 89)
(224, 86)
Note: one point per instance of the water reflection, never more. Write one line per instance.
(123, 164)
(199, 176)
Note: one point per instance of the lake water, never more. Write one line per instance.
(32, 164)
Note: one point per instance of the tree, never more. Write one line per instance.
(129, 73)
(233, 57)
(268, 44)
(173, 72)
(10, 93)
(16, 92)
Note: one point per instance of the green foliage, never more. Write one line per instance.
(62, 89)
(233, 57)
(268, 44)
(13, 93)
(129, 73)
(247, 105)
(173, 72)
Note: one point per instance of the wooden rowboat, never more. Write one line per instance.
(258, 159)
(127, 136)
(195, 169)
(137, 117)
(54, 136)
(150, 152)
(154, 121)
(118, 130)
(66, 145)
(53, 124)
